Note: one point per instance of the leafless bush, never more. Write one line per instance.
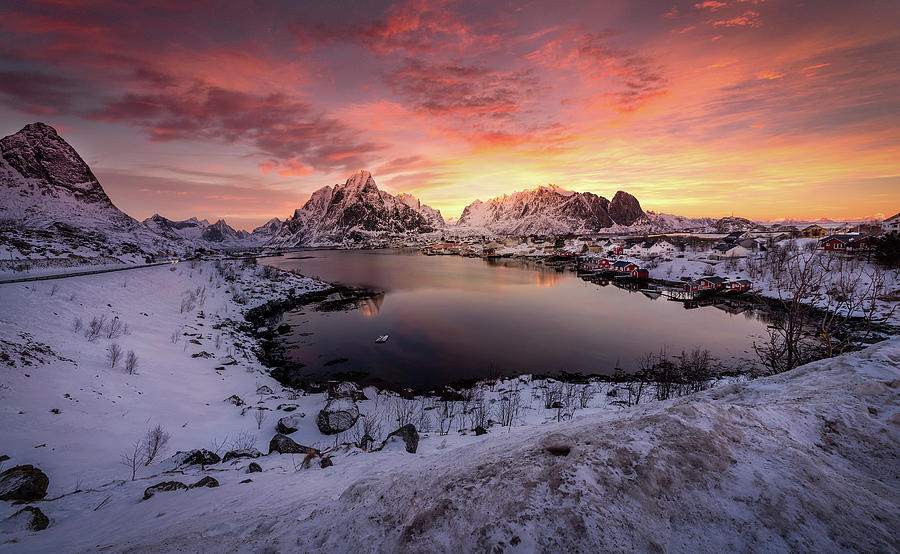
(446, 415)
(260, 416)
(131, 362)
(54, 289)
(113, 354)
(551, 394)
(95, 328)
(245, 440)
(585, 394)
(115, 328)
(217, 445)
(176, 334)
(401, 410)
(155, 442)
(134, 458)
(480, 412)
(510, 405)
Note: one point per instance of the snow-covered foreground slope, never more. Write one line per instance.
(806, 460)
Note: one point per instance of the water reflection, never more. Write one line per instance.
(452, 318)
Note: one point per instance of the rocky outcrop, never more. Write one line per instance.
(284, 445)
(23, 482)
(201, 457)
(165, 486)
(625, 209)
(28, 518)
(407, 434)
(338, 415)
(207, 481)
(241, 453)
(288, 424)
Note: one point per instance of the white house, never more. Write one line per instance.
(891, 224)
(723, 251)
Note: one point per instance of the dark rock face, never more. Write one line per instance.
(165, 486)
(338, 415)
(235, 399)
(33, 519)
(202, 457)
(625, 209)
(408, 434)
(243, 453)
(284, 445)
(208, 482)
(23, 482)
(288, 424)
(38, 152)
(254, 468)
(480, 431)
(325, 462)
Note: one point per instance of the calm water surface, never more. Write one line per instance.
(451, 318)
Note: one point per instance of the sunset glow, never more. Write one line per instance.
(766, 109)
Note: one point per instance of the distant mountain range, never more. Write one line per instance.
(48, 190)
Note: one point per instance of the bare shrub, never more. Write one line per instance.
(113, 354)
(216, 445)
(260, 416)
(131, 362)
(245, 440)
(401, 410)
(54, 289)
(155, 442)
(95, 328)
(134, 458)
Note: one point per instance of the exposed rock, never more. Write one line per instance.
(23, 482)
(201, 456)
(407, 434)
(30, 518)
(326, 462)
(480, 431)
(165, 486)
(284, 445)
(241, 453)
(287, 407)
(625, 209)
(265, 389)
(207, 481)
(338, 415)
(246, 481)
(235, 399)
(254, 468)
(288, 424)
(346, 390)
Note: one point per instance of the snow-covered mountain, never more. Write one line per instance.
(194, 230)
(48, 193)
(433, 216)
(552, 210)
(350, 214)
(267, 230)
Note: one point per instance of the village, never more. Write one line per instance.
(685, 267)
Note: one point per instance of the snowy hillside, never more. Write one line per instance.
(805, 460)
(551, 210)
(352, 213)
(433, 216)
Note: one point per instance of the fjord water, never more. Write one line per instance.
(451, 318)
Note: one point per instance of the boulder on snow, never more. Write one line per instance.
(235, 399)
(165, 486)
(480, 431)
(287, 407)
(338, 415)
(284, 445)
(288, 424)
(24, 482)
(207, 481)
(254, 468)
(326, 462)
(407, 434)
(241, 453)
(201, 456)
(346, 390)
(28, 518)
(265, 389)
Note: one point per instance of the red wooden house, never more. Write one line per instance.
(711, 283)
(624, 267)
(617, 250)
(845, 242)
(640, 273)
(739, 285)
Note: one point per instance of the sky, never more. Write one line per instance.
(766, 109)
